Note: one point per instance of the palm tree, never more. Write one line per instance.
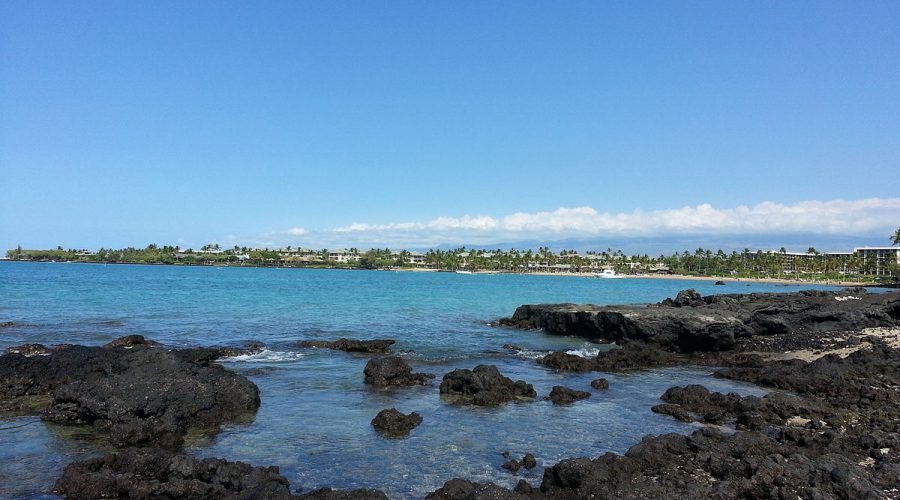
(895, 238)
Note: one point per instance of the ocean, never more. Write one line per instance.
(314, 422)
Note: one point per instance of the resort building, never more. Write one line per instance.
(417, 259)
(343, 255)
(876, 260)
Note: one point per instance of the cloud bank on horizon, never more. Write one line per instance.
(870, 216)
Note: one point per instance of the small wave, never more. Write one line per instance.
(585, 352)
(528, 354)
(266, 356)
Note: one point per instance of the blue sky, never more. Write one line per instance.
(393, 123)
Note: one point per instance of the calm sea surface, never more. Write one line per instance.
(314, 422)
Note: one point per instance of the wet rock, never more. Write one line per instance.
(635, 356)
(139, 396)
(720, 283)
(512, 465)
(512, 347)
(129, 341)
(631, 356)
(484, 386)
(709, 464)
(673, 410)
(377, 346)
(8, 324)
(560, 395)
(155, 473)
(29, 350)
(207, 355)
(835, 434)
(562, 361)
(258, 372)
(528, 461)
(749, 412)
(461, 489)
(255, 346)
(600, 383)
(523, 488)
(684, 298)
(693, 323)
(330, 494)
(394, 423)
(393, 371)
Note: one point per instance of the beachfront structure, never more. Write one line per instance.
(343, 255)
(878, 260)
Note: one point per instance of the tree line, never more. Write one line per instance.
(699, 262)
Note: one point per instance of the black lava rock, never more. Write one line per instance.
(484, 386)
(394, 423)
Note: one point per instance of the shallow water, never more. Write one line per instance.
(314, 422)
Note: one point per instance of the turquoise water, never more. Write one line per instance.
(315, 414)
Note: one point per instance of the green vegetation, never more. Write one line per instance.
(812, 265)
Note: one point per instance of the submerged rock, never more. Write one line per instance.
(484, 386)
(8, 324)
(377, 346)
(140, 395)
(389, 371)
(600, 383)
(512, 465)
(560, 395)
(394, 423)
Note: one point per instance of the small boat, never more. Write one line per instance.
(464, 272)
(608, 274)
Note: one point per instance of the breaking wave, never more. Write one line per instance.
(266, 356)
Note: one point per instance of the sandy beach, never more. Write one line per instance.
(685, 277)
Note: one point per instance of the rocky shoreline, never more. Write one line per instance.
(830, 428)
(835, 435)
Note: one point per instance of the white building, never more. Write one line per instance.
(417, 258)
(343, 255)
(877, 259)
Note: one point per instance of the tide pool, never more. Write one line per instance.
(315, 414)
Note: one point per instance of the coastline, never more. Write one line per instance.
(682, 277)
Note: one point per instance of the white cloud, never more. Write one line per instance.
(868, 217)
(836, 217)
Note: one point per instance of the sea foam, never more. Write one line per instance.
(266, 356)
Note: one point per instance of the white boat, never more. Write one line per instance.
(464, 272)
(608, 274)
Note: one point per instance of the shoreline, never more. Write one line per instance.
(681, 277)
